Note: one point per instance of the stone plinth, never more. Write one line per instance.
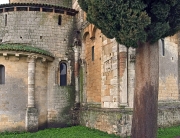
(31, 119)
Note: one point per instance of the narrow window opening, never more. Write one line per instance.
(5, 19)
(34, 9)
(2, 74)
(59, 11)
(93, 53)
(47, 10)
(63, 74)
(163, 47)
(59, 20)
(21, 8)
(9, 9)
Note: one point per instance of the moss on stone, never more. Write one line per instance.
(66, 113)
(70, 99)
(24, 48)
(71, 95)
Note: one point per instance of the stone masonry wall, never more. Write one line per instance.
(60, 98)
(66, 3)
(38, 29)
(41, 29)
(116, 71)
(119, 121)
(60, 105)
(113, 121)
(41, 92)
(109, 73)
(93, 76)
(168, 70)
(13, 94)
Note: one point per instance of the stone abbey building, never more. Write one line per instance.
(58, 70)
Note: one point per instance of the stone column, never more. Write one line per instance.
(31, 81)
(83, 67)
(31, 112)
(123, 60)
(131, 76)
(76, 73)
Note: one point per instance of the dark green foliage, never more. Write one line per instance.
(136, 21)
(25, 48)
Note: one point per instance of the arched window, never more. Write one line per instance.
(63, 74)
(2, 74)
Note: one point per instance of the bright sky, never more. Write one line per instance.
(4, 1)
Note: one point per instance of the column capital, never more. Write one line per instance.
(31, 58)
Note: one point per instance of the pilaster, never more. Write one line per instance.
(31, 112)
(76, 73)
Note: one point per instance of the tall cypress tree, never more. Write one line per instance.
(139, 24)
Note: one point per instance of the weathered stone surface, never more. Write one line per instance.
(114, 121)
(106, 82)
(31, 119)
(119, 121)
(168, 70)
(52, 102)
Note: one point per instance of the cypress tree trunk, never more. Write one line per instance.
(144, 124)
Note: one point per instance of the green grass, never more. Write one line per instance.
(83, 132)
(171, 132)
(71, 132)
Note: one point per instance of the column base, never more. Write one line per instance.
(123, 105)
(31, 119)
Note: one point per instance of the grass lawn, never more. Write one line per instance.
(171, 132)
(70, 132)
(83, 132)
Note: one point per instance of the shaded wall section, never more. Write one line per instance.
(13, 94)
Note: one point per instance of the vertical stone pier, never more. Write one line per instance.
(76, 73)
(123, 75)
(31, 112)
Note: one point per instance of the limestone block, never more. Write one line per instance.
(114, 104)
(107, 98)
(106, 105)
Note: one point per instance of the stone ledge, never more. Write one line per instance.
(96, 108)
(43, 8)
(18, 50)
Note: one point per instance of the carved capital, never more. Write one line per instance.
(31, 58)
